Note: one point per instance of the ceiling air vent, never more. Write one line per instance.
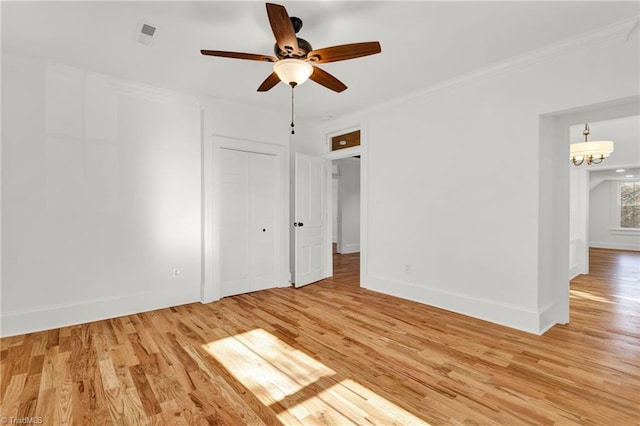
(145, 33)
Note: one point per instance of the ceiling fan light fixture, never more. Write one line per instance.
(293, 54)
(293, 71)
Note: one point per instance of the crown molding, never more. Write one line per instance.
(616, 33)
(150, 93)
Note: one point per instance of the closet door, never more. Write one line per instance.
(262, 221)
(247, 221)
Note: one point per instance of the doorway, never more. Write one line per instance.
(345, 207)
(596, 219)
(555, 218)
(593, 203)
(346, 216)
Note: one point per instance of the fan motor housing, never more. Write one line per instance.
(304, 47)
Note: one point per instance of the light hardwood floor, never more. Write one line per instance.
(335, 353)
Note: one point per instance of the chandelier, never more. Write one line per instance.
(593, 152)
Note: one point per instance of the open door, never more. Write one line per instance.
(309, 221)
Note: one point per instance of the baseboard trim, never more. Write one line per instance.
(547, 315)
(512, 316)
(576, 270)
(350, 248)
(615, 246)
(50, 317)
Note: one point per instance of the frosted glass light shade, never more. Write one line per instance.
(596, 149)
(293, 70)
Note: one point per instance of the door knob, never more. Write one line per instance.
(298, 224)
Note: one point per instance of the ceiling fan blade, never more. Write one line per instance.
(325, 79)
(282, 28)
(269, 83)
(344, 52)
(238, 55)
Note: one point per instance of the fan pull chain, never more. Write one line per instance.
(293, 132)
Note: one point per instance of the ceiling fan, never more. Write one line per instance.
(295, 59)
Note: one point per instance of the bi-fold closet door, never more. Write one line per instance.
(248, 196)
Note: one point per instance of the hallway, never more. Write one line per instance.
(346, 269)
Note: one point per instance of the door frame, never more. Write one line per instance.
(211, 279)
(362, 151)
(553, 247)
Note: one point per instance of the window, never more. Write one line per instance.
(629, 204)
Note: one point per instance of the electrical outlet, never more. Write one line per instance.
(176, 272)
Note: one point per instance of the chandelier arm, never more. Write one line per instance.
(576, 162)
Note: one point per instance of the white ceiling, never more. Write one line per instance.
(627, 173)
(423, 43)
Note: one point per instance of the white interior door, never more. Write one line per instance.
(310, 219)
(247, 221)
(262, 220)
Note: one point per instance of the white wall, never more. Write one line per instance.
(349, 205)
(579, 221)
(335, 187)
(482, 241)
(602, 220)
(95, 219)
(100, 195)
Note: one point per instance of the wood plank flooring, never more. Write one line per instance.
(332, 353)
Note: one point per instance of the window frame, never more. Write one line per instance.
(616, 227)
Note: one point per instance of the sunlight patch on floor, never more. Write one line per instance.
(589, 296)
(297, 387)
(377, 407)
(270, 368)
